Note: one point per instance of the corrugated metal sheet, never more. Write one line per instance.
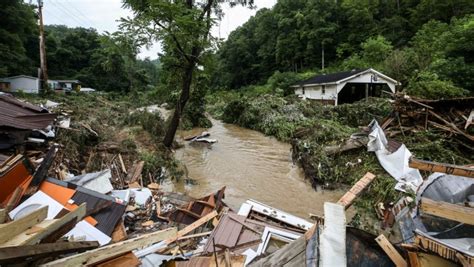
(106, 218)
(21, 115)
(230, 232)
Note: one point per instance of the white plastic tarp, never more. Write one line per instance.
(333, 236)
(396, 163)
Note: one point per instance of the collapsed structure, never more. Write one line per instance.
(112, 218)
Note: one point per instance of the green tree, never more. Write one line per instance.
(18, 38)
(184, 28)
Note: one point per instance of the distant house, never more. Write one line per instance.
(27, 84)
(345, 87)
(67, 85)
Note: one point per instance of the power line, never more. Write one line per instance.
(64, 10)
(82, 14)
(51, 14)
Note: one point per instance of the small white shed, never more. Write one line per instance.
(27, 84)
(345, 87)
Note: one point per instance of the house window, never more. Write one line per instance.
(323, 89)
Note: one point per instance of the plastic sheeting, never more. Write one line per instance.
(333, 236)
(396, 163)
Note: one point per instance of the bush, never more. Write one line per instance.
(428, 85)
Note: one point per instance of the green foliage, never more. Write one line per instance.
(428, 85)
(18, 39)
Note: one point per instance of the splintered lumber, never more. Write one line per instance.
(444, 251)
(14, 228)
(192, 226)
(101, 254)
(3, 215)
(391, 251)
(441, 167)
(348, 198)
(447, 210)
(16, 254)
(46, 228)
(136, 172)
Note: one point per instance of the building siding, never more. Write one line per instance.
(316, 92)
(25, 84)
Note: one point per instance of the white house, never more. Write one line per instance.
(345, 87)
(27, 84)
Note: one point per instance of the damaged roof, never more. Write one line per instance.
(21, 115)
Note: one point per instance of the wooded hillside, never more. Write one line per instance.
(428, 45)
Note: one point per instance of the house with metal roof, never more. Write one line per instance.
(24, 83)
(345, 87)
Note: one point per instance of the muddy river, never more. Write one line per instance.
(251, 165)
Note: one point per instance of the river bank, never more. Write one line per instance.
(310, 128)
(250, 165)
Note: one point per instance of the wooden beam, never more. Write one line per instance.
(16, 254)
(101, 254)
(348, 198)
(14, 228)
(46, 228)
(392, 253)
(191, 227)
(3, 215)
(441, 167)
(448, 211)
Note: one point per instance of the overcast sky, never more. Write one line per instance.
(103, 15)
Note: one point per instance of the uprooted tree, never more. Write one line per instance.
(183, 28)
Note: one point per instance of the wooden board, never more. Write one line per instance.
(127, 260)
(45, 228)
(16, 254)
(441, 167)
(348, 198)
(391, 251)
(14, 228)
(192, 226)
(447, 210)
(3, 215)
(105, 253)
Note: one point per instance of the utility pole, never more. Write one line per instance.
(44, 68)
(322, 55)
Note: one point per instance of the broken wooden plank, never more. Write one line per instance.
(122, 165)
(192, 226)
(444, 251)
(448, 210)
(14, 228)
(441, 167)
(348, 198)
(16, 254)
(3, 215)
(390, 250)
(14, 199)
(102, 254)
(46, 228)
(127, 260)
(136, 172)
(452, 125)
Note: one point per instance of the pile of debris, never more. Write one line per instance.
(454, 117)
(116, 217)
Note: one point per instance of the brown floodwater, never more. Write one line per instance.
(250, 165)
